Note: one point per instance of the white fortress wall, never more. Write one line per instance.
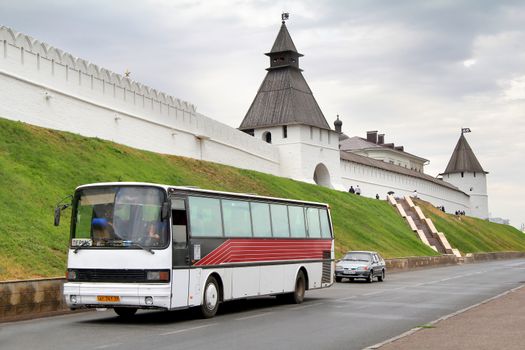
(374, 181)
(43, 86)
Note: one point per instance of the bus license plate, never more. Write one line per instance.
(108, 299)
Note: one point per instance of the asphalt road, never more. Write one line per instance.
(345, 316)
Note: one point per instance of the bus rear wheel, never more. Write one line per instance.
(210, 300)
(297, 297)
(125, 312)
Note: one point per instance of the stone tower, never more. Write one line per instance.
(285, 113)
(465, 172)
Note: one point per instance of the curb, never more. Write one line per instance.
(415, 329)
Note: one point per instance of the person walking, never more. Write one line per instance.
(351, 190)
(357, 190)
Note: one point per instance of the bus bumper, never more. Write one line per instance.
(108, 295)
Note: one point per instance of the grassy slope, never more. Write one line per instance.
(471, 235)
(40, 166)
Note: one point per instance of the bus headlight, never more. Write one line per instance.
(73, 299)
(148, 300)
(71, 275)
(158, 276)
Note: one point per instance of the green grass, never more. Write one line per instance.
(471, 235)
(40, 166)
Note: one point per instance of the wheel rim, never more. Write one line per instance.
(212, 296)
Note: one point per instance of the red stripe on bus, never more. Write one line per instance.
(252, 250)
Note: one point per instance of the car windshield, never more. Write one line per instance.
(127, 217)
(357, 257)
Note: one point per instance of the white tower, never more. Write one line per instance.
(285, 113)
(465, 172)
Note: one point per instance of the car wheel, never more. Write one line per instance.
(125, 312)
(210, 301)
(338, 279)
(370, 278)
(382, 277)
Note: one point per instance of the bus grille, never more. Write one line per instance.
(104, 275)
(327, 264)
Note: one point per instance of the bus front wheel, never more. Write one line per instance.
(210, 300)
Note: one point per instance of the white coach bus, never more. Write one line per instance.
(148, 246)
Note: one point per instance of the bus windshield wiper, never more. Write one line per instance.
(142, 247)
(85, 243)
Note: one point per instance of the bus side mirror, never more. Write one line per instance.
(57, 216)
(165, 211)
(59, 207)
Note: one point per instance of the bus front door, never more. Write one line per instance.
(180, 253)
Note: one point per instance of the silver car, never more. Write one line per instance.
(360, 264)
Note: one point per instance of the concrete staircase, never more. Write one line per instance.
(422, 226)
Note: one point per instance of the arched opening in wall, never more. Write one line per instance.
(267, 136)
(322, 176)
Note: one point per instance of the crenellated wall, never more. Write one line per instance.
(44, 86)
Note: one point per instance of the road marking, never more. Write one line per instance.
(413, 330)
(254, 316)
(373, 293)
(306, 306)
(188, 329)
(343, 299)
(107, 346)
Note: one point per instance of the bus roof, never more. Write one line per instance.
(199, 190)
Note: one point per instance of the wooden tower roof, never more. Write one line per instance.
(463, 159)
(284, 97)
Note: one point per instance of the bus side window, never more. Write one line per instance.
(314, 227)
(179, 221)
(325, 225)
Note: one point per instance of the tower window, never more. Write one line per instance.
(474, 174)
(285, 131)
(462, 174)
(311, 133)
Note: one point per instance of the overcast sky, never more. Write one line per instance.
(417, 71)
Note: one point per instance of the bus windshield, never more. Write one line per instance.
(125, 217)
